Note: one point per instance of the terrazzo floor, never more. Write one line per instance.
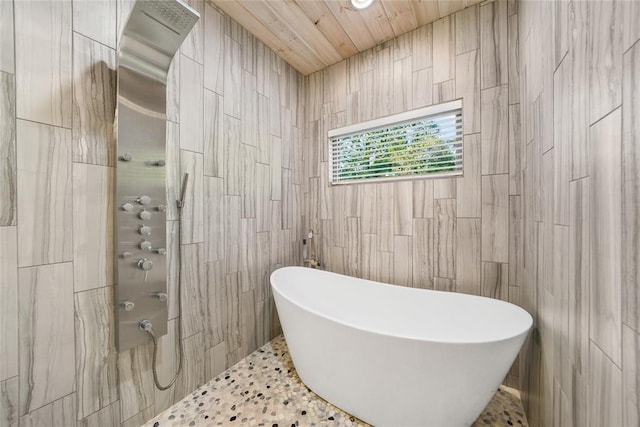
(263, 389)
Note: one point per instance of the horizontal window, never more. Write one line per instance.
(414, 144)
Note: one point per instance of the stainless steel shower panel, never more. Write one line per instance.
(152, 36)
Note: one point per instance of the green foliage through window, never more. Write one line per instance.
(429, 145)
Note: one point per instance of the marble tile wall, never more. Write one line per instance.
(452, 234)
(580, 180)
(235, 124)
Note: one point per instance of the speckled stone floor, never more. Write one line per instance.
(263, 389)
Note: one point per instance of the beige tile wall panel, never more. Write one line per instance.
(467, 30)
(172, 231)
(422, 47)
(423, 253)
(493, 42)
(8, 191)
(92, 226)
(8, 304)
(167, 364)
(606, 231)
(444, 188)
(580, 52)
(191, 105)
(605, 41)
(7, 58)
(444, 238)
(107, 416)
(174, 176)
(467, 87)
(213, 50)
(215, 360)
(631, 188)
(96, 20)
(192, 376)
(468, 265)
(44, 194)
(605, 393)
(562, 140)
(468, 187)
(515, 150)
(495, 130)
(494, 282)
(140, 417)
(135, 381)
(422, 198)
(46, 349)
(631, 383)
(173, 90)
(215, 332)
(513, 42)
(43, 62)
(516, 241)
(97, 384)
(443, 91)
(443, 50)
(194, 288)
(579, 273)
(192, 217)
(61, 412)
(402, 260)
(213, 134)
(94, 88)
(495, 218)
(422, 83)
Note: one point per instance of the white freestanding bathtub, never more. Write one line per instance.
(396, 356)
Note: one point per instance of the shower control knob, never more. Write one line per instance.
(145, 264)
(161, 296)
(145, 230)
(144, 200)
(127, 207)
(125, 254)
(145, 215)
(161, 208)
(161, 251)
(127, 157)
(159, 163)
(128, 305)
(145, 246)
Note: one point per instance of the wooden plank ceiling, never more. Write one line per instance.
(313, 34)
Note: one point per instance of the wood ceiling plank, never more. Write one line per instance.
(426, 11)
(297, 56)
(378, 22)
(352, 22)
(322, 17)
(401, 16)
(264, 13)
(301, 25)
(313, 34)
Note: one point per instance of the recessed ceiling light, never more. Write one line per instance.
(361, 4)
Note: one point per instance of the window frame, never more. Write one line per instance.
(395, 120)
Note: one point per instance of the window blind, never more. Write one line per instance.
(425, 142)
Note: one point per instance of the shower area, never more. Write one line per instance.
(158, 161)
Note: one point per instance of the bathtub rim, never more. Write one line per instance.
(333, 319)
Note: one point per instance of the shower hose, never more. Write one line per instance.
(146, 325)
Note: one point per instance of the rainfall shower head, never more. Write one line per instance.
(153, 34)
